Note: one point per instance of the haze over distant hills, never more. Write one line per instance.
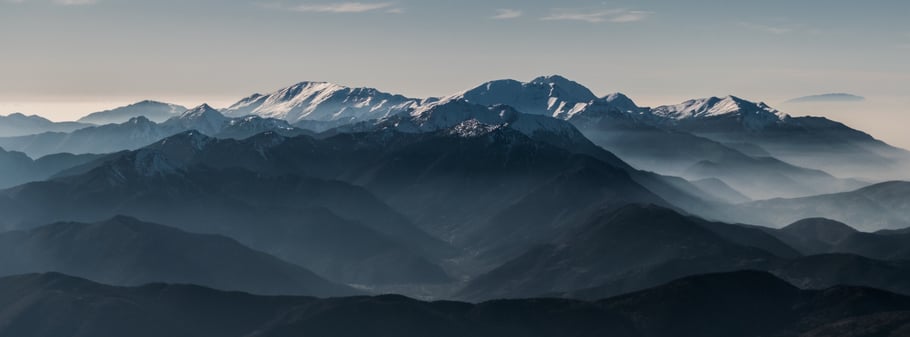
(18, 124)
(154, 111)
(125, 251)
(509, 189)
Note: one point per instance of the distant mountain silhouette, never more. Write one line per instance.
(640, 246)
(18, 168)
(140, 131)
(18, 124)
(126, 251)
(821, 236)
(876, 207)
(154, 111)
(294, 217)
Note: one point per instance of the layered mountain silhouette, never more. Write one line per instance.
(152, 110)
(669, 140)
(710, 305)
(18, 168)
(506, 190)
(338, 230)
(18, 124)
(720, 125)
(141, 131)
(496, 192)
(641, 246)
(822, 236)
(873, 208)
(126, 251)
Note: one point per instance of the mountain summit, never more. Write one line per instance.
(753, 115)
(153, 110)
(547, 95)
(202, 118)
(322, 101)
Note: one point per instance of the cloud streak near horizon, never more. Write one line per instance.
(613, 15)
(506, 14)
(333, 8)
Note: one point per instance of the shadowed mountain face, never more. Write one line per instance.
(507, 190)
(611, 245)
(17, 168)
(296, 218)
(823, 236)
(636, 247)
(495, 192)
(635, 139)
(775, 308)
(877, 207)
(126, 251)
(691, 139)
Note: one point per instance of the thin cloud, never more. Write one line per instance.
(613, 15)
(631, 16)
(75, 2)
(344, 7)
(506, 14)
(782, 28)
(777, 30)
(332, 8)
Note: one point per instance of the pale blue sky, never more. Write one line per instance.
(62, 58)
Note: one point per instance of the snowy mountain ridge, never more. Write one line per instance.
(463, 118)
(322, 101)
(554, 96)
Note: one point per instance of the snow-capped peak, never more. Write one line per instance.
(322, 101)
(753, 115)
(201, 111)
(714, 106)
(202, 118)
(467, 119)
(564, 87)
(552, 96)
(621, 102)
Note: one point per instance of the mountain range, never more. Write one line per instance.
(635, 247)
(18, 168)
(140, 131)
(152, 110)
(18, 124)
(323, 102)
(338, 230)
(873, 208)
(126, 251)
(709, 305)
(569, 213)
